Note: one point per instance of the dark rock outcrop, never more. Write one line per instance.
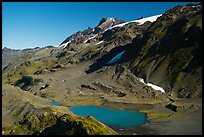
(26, 82)
(44, 86)
(171, 107)
(87, 87)
(65, 128)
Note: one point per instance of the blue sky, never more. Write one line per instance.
(40, 24)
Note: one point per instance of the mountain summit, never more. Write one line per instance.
(82, 36)
(106, 23)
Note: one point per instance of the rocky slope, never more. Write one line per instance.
(9, 55)
(169, 53)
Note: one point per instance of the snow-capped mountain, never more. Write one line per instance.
(90, 33)
(104, 25)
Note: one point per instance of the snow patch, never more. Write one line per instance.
(56, 46)
(151, 19)
(155, 87)
(152, 85)
(142, 80)
(194, 6)
(139, 21)
(65, 44)
(90, 38)
(99, 42)
(112, 19)
(109, 19)
(119, 25)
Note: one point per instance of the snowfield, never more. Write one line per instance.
(139, 21)
(152, 85)
(65, 44)
(99, 42)
(90, 38)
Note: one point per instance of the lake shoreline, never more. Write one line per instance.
(160, 119)
(134, 130)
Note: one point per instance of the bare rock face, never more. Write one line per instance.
(106, 23)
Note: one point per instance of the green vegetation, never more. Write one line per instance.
(94, 127)
(11, 75)
(180, 59)
(36, 123)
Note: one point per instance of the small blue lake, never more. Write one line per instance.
(116, 58)
(111, 116)
(53, 103)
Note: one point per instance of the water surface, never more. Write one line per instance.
(116, 58)
(53, 103)
(111, 116)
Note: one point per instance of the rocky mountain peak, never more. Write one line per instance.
(106, 23)
(81, 36)
(6, 49)
(105, 19)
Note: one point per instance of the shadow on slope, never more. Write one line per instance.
(64, 128)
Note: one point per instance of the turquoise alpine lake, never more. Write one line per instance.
(108, 116)
(111, 116)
